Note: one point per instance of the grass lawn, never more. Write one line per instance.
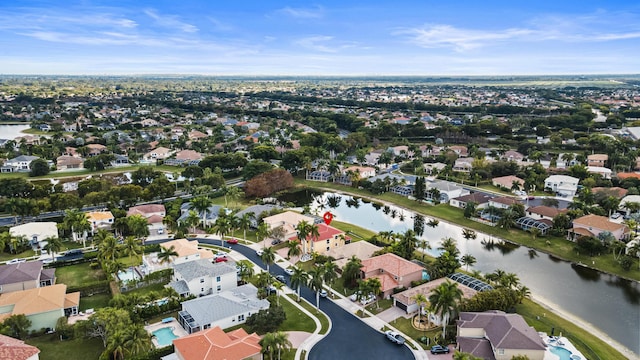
(323, 319)
(5, 256)
(590, 345)
(381, 306)
(355, 232)
(146, 290)
(405, 326)
(79, 274)
(51, 348)
(94, 302)
(296, 319)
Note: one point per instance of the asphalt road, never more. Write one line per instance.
(349, 338)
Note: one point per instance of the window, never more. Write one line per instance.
(328, 247)
(500, 351)
(201, 280)
(217, 278)
(206, 326)
(328, 241)
(201, 289)
(240, 317)
(219, 288)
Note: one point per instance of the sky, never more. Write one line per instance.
(333, 38)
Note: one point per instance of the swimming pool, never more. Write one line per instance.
(563, 353)
(165, 336)
(128, 275)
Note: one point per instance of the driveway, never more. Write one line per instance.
(393, 313)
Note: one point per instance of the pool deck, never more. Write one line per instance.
(177, 330)
(562, 342)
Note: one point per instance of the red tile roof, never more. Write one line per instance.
(391, 263)
(325, 231)
(14, 349)
(215, 344)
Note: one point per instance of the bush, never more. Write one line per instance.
(96, 287)
(266, 321)
(156, 354)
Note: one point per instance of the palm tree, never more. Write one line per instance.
(201, 204)
(5, 239)
(316, 279)
(245, 270)
(421, 300)
(108, 249)
(523, 292)
(137, 340)
(299, 278)
(269, 344)
(77, 222)
(262, 232)
(424, 245)
(165, 255)
(278, 285)
(444, 301)
(303, 228)
(268, 256)
(433, 223)
(330, 272)
(467, 260)
(244, 222)
(375, 286)
(351, 272)
(138, 226)
(192, 220)
(294, 249)
(54, 245)
(222, 226)
(282, 342)
(233, 193)
(131, 248)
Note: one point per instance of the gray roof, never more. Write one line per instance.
(26, 271)
(211, 308)
(180, 287)
(443, 185)
(212, 212)
(479, 347)
(256, 210)
(204, 267)
(504, 331)
(24, 158)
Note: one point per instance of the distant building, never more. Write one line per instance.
(562, 185)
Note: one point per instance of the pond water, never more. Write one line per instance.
(11, 132)
(607, 302)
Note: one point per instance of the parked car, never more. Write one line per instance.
(394, 337)
(289, 271)
(275, 241)
(47, 260)
(160, 231)
(271, 290)
(281, 278)
(219, 259)
(232, 241)
(16, 261)
(439, 349)
(323, 293)
(368, 299)
(259, 252)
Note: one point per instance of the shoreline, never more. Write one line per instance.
(554, 308)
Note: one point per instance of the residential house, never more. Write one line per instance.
(503, 202)
(210, 216)
(446, 190)
(364, 172)
(203, 277)
(592, 225)
(479, 198)
(24, 276)
(544, 212)
(20, 163)
(95, 149)
(359, 249)
(598, 160)
(159, 153)
(215, 344)
(42, 305)
(460, 150)
(196, 135)
(225, 309)
(511, 155)
(100, 220)
(65, 162)
(256, 212)
(154, 213)
(562, 185)
(186, 250)
(328, 238)
(628, 202)
(405, 299)
(185, 157)
(393, 272)
(319, 175)
(495, 335)
(288, 220)
(14, 349)
(599, 170)
(463, 164)
(36, 233)
(507, 182)
(120, 160)
(614, 191)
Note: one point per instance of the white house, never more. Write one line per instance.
(602, 171)
(100, 220)
(186, 250)
(20, 163)
(36, 232)
(202, 277)
(448, 190)
(226, 309)
(562, 185)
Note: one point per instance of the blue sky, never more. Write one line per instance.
(400, 37)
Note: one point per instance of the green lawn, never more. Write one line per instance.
(381, 306)
(94, 302)
(405, 326)
(355, 232)
(5, 256)
(296, 319)
(79, 274)
(323, 319)
(146, 290)
(51, 348)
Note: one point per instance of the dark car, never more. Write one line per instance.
(439, 349)
(276, 241)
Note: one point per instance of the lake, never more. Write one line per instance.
(11, 132)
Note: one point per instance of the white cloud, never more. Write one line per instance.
(316, 43)
(170, 22)
(434, 36)
(303, 13)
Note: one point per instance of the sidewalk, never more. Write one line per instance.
(351, 307)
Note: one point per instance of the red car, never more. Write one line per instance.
(232, 241)
(221, 259)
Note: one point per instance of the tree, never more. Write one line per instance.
(105, 322)
(351, 272)
(329, 272)
(245, 222)
(17, 326)
(268, 256)
(108, 249)
(131, 247)
(468, 260)
(424, 245)
(375, 286)
(316, 280)
(53, 246)
(165, 255)
(76, 221)
(269, 344)
(39, 167)
(281, 340)
(136, 340)
(222, 226)
(445, 301)
(293, 249)
(421, 300)
(299, 278)
(470, 210)
(201, 204)
(137, 226)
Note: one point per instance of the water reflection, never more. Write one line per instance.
(532, 254)
(586, 273)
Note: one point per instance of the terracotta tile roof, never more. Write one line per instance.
(146, 209)
(507, 181)
(506, 200)
(390, 263)
(406, 297)
(598, 222)
(547, 211)
(14, 349)
(613, 191)
(154, 219)
(188, 155)
(215, 344)
(599, 157)
(72, 299)
(628, 175)
(185, 247)
(99, 215)
(36, 300)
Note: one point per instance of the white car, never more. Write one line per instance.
(259, 252)
(289, 271)
(323, 293)
(368, 300)
(16, 261)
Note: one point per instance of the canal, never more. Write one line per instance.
(609, 303)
